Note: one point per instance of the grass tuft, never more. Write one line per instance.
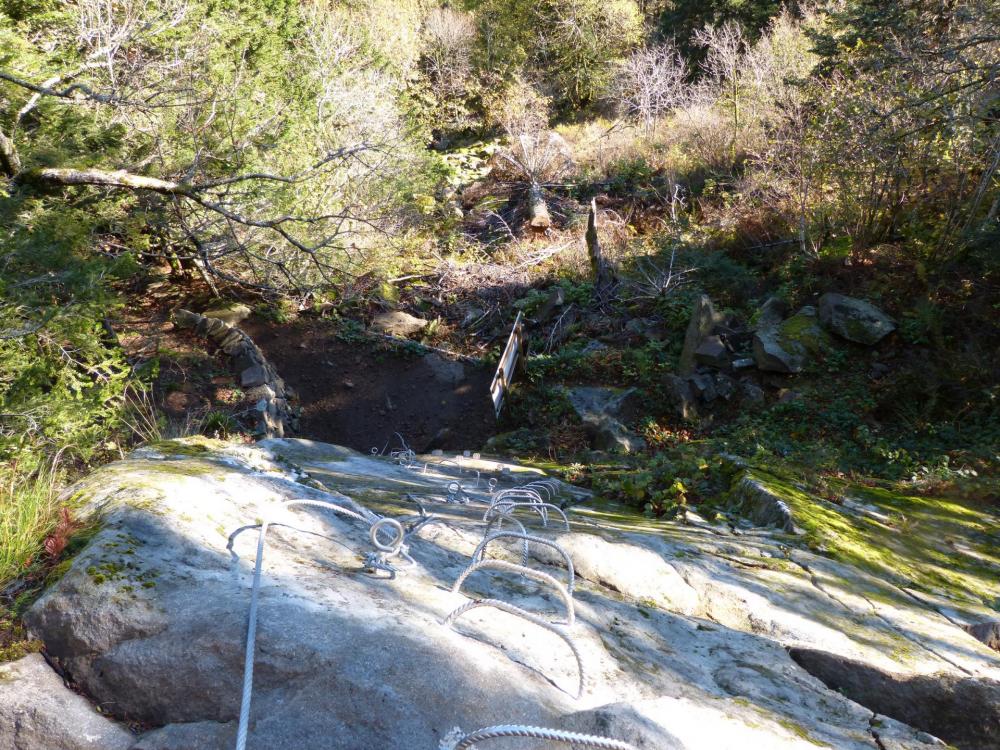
(29, 514)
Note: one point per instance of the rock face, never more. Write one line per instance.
(854, 319)
(943, 703)
(681, 628)
(986, 632)
(398, 323)
(38, 712)
(762, 506)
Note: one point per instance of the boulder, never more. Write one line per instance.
(771, 356)
(682, 397)
(623, 404)
(232, 341)
(703, 386)
(38, 712)
(649, 329)
(215, 328)
(751, 392)
(854, 319)
(603, 412)
(712, 353)
(608, 434)
(790, 345)
(253, 376)
(772, 312)
(398, 323)
(186, 319)
(703, 320)
(233, 314)
(725, 386)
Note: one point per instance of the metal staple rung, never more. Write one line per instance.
(481, 549)
(514, 610)
(536, 575)
(467, 741)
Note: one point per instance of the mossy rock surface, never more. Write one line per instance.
(940, 546)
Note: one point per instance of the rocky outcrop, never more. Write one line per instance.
(961, 710)
(763, 507)
(38, 712)
(854, 319)
(274, 414)
(681, 628)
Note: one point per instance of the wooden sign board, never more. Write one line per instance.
(508, 362)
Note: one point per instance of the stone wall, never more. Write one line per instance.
(274, 414)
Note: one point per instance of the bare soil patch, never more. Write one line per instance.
(359, 393)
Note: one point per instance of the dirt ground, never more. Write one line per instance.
(359, 393)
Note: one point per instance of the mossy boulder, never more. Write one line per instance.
(854, 319)
(790, 346)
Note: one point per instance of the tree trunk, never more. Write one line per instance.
(102, 178)
(538, 212)
(603, 275)
(10, 163)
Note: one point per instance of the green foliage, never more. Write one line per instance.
(681, 18)
(922, 324)
(571, 44)
(727, 281)
(641, 366)
(632, 176)
(680, 475)
(61, 382)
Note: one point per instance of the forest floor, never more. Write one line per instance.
(357, 392)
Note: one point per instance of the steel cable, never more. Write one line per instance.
(467, 741)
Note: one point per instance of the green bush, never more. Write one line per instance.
(685, 474)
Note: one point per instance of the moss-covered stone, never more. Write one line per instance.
(935, 545)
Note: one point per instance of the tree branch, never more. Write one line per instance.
(70, 92)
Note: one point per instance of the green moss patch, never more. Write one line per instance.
(937, 545)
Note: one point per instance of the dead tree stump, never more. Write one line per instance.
(604, 276)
